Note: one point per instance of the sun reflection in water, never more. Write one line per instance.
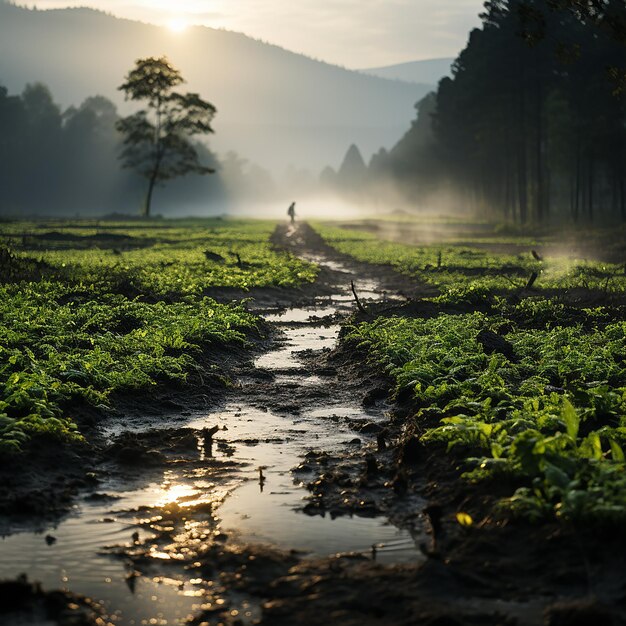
(176, 494)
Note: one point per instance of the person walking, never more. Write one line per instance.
(291, 212)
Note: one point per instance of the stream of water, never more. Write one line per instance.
(73, 555)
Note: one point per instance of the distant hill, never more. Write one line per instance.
(274, 107)
(430, 71)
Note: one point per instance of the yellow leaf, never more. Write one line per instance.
(465, 519)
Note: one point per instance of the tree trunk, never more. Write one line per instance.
(540, 183)
(577, 183)
(522, 173)
(148, 202)
(154, 176)
(590, 190)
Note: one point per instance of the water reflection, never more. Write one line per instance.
(158, 535)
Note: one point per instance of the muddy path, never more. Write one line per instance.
(296, 496)
(196, 505)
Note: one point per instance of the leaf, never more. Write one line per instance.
(556, 476)
(570, 418)
(617, 452)
(596, 445)
(464, 519)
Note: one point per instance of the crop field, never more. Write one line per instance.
(457, 408)
(524, 381)
(473, 274)
(90, 309)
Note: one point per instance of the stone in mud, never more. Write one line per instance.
(370, 428)
(374, 395)
(292, 409)
(326, 371)
(411, 451)
(492, 342)
(136, 455)
(101, 497)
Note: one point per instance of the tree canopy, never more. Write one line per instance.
(158, 139)
(532, 124)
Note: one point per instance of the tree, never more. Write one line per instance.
(530, 127)
(157, 140)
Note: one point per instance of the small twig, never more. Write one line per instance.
(513, 282)
(531, 280)
(356, 298)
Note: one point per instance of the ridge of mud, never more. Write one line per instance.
(499, 571)
(496, 572)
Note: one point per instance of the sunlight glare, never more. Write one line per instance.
(177, 25)
(176, 494)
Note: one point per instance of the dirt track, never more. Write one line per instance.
(204, 521)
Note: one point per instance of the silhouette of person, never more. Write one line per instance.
(291, 212)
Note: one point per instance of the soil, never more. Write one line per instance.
(496, 571)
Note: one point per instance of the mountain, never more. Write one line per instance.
(430, 71)
(353, 170)
(275, 107)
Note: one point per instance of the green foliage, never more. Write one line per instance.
(53, 355)
(473, 275)
(156, 258)
(552, 414)
(119, 308)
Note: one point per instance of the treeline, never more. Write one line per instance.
(55, 162)
(532, 125)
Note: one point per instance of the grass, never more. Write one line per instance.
(91, 309)
(527, 385)
(463, 273)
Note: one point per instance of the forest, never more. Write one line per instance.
(66, 162)
(409, 415)
(531, 126)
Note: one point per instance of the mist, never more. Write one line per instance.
(275, 108)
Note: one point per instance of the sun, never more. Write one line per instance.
(177, 25)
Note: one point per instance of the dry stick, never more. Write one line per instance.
(513, 282)
(531, 280)
(356, 298)
(609, 278)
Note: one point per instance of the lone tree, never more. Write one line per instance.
(157, 139)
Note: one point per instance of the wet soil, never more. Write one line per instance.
(176, 492)
(297, 495)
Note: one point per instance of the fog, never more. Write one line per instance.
(337, 142)
(275, 108)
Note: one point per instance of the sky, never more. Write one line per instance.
(357, 34)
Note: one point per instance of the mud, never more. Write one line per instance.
(178, 496)
(23, 602)
(294, 495)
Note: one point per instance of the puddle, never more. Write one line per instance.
(294, 316)
(256, 510)
(74, 563)
(296, 340)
